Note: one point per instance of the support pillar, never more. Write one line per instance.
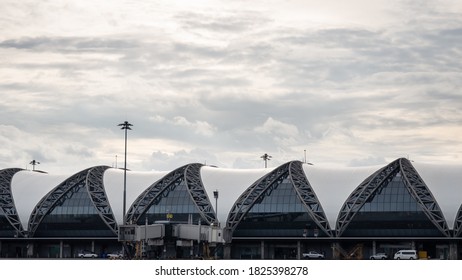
(335, 251)
(453, 251)
(61, 249)
(227, 251)
(374, 247)
(299, 250)
(262, 250)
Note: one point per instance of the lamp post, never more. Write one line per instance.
(309, 163)
(266, 157)
(125, 126)
(215, 195)
(34, 163)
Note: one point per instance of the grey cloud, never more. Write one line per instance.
(162, 161)
(230, 22)
(67, 44)
(329, 84)
(371, 160)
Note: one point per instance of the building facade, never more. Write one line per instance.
(274, 213)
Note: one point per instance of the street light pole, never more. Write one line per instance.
(125, 126)
(215, 195)
(266, 157)
(34, 163)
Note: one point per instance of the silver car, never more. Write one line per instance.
(115, 255)
(313, 255)
(87, 254)
(379, 256)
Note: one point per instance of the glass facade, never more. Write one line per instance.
(392, 211)
(76, 216)
(175, 204)
(279, 212)
(6, 229)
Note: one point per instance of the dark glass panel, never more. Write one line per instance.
(74, 217)
(176, 201)
(279, 212)
(6, 229)
(392, 211)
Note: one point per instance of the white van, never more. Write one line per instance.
(406, 255)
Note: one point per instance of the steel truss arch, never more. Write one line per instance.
(292, 170)
(7, 202)
(424, 197)
(153, 194)
(95, 187)
(413, 183)
(66, 189)
(308, 197)
(198, 194)
(458, 223)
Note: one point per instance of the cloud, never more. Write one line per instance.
(226, 83)
(274, 127)
(199, 127)
(162, 161)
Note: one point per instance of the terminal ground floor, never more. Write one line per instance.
(242, 248)
(354, 248)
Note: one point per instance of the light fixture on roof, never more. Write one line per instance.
(34, 163)
(304, 161)
(266, 157)
(215, 195)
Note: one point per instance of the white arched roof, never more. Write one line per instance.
(445, 183)
(331, 185)
(137, 182)
(230, 183)
(28, 188)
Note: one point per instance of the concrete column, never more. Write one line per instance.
(93, 246)
(374, 247)
(61, 249)
(227, 251)
(299, 250)
(262, 250)
(453, 254)
(335, 254)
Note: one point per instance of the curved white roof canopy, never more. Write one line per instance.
(137, 182)
(331, 185)
(230, 183)
(28, 188)
(445, 183)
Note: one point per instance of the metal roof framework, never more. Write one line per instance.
(7, 202)
(95, 187)
(292, 170)
(458, 223)
(190, 175)
(379, 179)
(92, 180)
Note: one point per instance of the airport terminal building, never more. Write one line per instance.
(209, 212)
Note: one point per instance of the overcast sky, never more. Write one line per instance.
(222, 82)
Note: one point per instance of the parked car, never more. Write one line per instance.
(406, 255)
(313, 255)
(115, 255)
(87, 254)
(379, 256)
